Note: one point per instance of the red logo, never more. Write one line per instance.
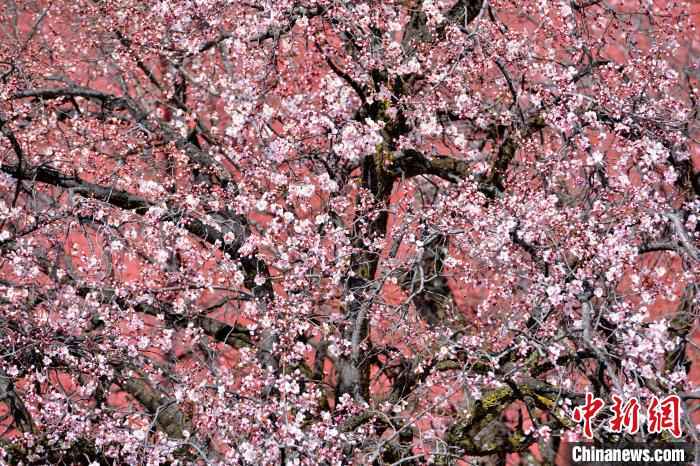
(625, 417)
(587, 412)
(664, 414)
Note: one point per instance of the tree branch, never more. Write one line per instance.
(225, 223)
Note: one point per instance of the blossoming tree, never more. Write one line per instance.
(336, 232)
